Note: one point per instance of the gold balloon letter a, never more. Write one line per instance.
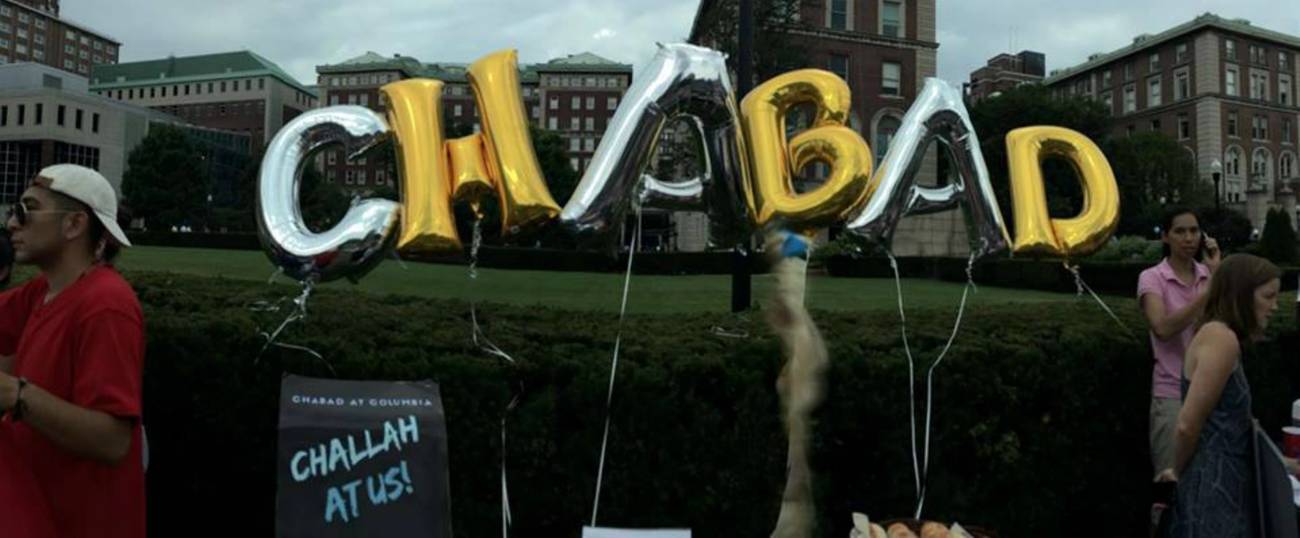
(1036, 231)
(436, 172)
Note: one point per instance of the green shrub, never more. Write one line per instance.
(1278, 241)
(1130, 248)
(1040, 412)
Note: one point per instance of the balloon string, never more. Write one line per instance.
(911, 370)
(478, 336)
(1081, 286)
(298, 313)
(613, 367)
(481, 340)
(929, 380)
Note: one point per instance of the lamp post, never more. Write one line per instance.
(1216, 172)
(740, 270)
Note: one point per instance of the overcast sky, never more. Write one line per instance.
(301, 34)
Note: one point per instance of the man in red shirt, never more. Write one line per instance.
(70, 380)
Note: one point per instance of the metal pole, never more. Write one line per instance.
(740, 270)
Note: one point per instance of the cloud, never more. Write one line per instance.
(604, 33)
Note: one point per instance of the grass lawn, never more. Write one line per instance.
(586, 291)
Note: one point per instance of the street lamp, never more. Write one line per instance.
(1216, 172)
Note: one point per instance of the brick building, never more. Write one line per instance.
(1006, 71)
(1224, 88)
(238, 92)
(32, 31)
(573, 96)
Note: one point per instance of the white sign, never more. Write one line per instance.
(602, 532)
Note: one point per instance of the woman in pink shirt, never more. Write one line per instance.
(1172, 297)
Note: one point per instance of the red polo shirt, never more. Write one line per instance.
(86, 347)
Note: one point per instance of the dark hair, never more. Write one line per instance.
(1231, 298)
(97, 234)
(1167, 222)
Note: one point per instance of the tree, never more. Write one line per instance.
(323, 203)
(1231, 229)
(166, 181)
(774, 51)
(1278, 241)
(1152, 170)
(1031, 105)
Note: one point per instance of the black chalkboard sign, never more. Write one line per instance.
(361, 458)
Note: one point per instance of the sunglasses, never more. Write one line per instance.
(20, 212)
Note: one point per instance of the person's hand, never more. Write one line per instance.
(1292, 466)
(1167, 475)
(1212, 253)
(8, 392)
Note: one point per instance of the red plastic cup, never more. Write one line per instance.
(1291, 441)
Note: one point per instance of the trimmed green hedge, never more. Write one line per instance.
(1040, 412)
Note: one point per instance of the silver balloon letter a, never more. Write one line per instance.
(682, 82)
(938, 113)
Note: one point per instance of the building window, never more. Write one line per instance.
(839, 64)
(575, 164)
(1230, 81)
(1128, 72)
(1284, 89)
(331, 176)
(1184, 127)
(1130, 99)
(457, 111)
(261, 84)
(84, 55)
(40, 23)
(1230, 49)
(361, 177)
(352, 99)
(575, 124)
(1155, 63)
(1284, 61)
(591, 103)
(885, 131)
(248, 84)
(1182, 85)
(334, 99)
(591, 124)
(1286, 166)
(39, 39)
(1261, 128)
(589, 144)
(575, 103)
(1105, 79)
(1180, 53)
(1108, 100)
(365, 99)
(20, 48)
(1259, 86)
(1155, 126)
(1154, 96)
(575, 144)
(4, 27)
(839, 16)
(22, 33)
(210, 86)
(332, 157)
(891, 18)
(553, 123)
(1286, 127)
(1232, 124)
(94, 123)
(1255, 54)
(348, 176)
(81, 114)
(611, 103)
(891, 77)
(6, 11)
(555, 103)
(1232, 166)
(40, 113)
(4, 116)
(22, 115)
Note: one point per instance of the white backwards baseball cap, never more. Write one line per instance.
(88, 187)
